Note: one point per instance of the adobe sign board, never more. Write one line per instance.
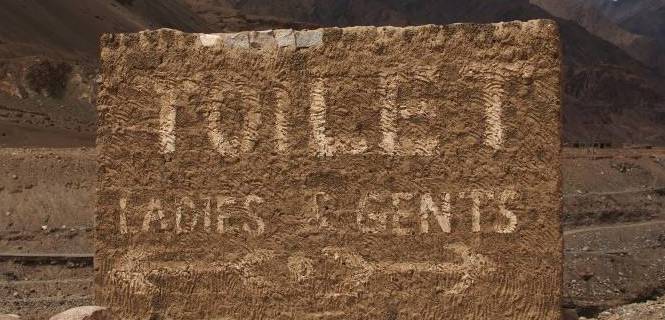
(355, 173)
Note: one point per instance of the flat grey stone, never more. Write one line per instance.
(209, 40)
(285, 38)
(237, 40)
(308, 38)
(262, 39)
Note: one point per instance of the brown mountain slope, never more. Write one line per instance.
(71, 28)
(642, 17)
(48, 54)
(48, 60)
(645, 17)
(641, 40)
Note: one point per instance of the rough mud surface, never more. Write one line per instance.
(384, 173)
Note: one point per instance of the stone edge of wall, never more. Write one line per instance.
(289, 38)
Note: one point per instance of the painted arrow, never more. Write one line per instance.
(473, 266)
(135, 269)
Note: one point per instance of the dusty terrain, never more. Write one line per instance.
(600, 271)
(648, 310)
(614, 222)
(46, 207)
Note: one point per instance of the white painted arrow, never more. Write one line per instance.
(473, 266)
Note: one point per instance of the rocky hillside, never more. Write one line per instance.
(638, 27)
(643, 17)
(48, 55)
(48, 62)
(70, 29)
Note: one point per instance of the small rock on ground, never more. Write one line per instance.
(569, 314)
(83, 313)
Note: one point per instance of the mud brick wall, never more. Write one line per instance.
(356, 173)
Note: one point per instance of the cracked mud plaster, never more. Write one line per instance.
(356, 173)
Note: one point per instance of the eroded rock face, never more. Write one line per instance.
(356, 173)
(9, 317)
